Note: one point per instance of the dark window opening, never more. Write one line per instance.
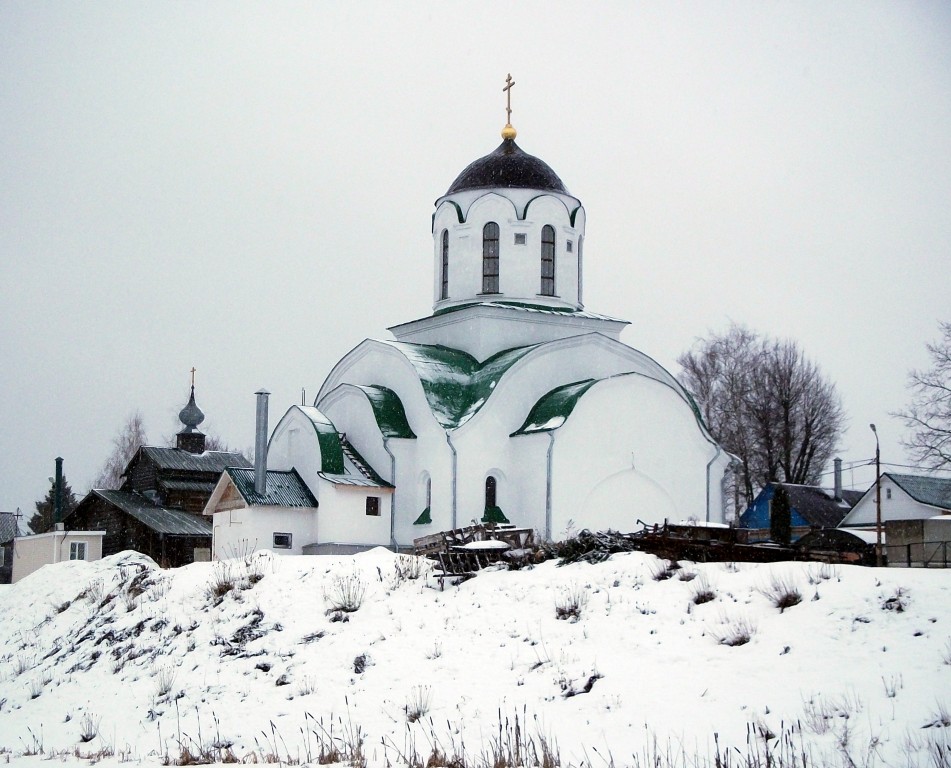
(490, 487)
(548, 260)
(444, 291)
(490, 258)
(373, 506)
(282, 540)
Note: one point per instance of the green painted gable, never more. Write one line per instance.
(331, 453)
(388, 411)
(554, 408)
(455, 384)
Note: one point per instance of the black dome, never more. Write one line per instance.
(508, 166)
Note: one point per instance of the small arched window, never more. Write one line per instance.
(429, 491)
(444, 270)
(490, 258)
(548, 260)
(490, 487)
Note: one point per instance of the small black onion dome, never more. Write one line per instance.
(508, 166)
(191, 415)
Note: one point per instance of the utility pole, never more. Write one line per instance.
(878, 500)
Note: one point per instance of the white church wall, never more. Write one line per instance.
(519, 264)
(294, 445)
(351, 413)
(632, 449)
(376, 362)
(343, 519)
(237, 532)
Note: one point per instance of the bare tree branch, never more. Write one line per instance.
(928, 416)
(767, 404)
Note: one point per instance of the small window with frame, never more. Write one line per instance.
(888, 493)
(520, 238)
(283, 540)
(569, 246)
(77, 550)
(373, 506)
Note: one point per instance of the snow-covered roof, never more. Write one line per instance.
(455, 383)
(933, 491)
(172, 522)
(281, 488)
(180, 459)
(554, 408)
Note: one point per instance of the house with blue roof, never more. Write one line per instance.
(511, 402)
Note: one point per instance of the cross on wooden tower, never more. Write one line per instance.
(509, 82)
(193, 376)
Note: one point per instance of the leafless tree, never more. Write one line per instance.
(767, 404)
(130, 437)
(928, 416)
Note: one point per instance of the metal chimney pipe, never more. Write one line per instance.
(837, 464)
(58, 493)
(260, 443)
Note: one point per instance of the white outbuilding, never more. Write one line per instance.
(511, 402)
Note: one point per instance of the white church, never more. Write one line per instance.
(510, 403)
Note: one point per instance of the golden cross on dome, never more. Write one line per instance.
(193, 375)
(509, 82)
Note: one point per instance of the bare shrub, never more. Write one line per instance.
(702, 592)
(941, 717)
(164, 681)
(735, 631)
(89, 727)
(684, 575)
(664, 569)
(946, 652)
(897, 602)
(781, 593)
(820, 713)
(346, 593)
(409, 568)
(306, 685)
(418, 703)
(819, 572)
(893, 684)
(22, 663)
(222, 581)
(570, 602)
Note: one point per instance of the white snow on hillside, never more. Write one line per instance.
(149, 661)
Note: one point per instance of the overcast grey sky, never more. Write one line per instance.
(247, 188)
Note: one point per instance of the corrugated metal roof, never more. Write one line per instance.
(209, 461)
(159, 519)
(354, 480)
(934, 491)
(282, 488)
(8, 526)
(188, 485)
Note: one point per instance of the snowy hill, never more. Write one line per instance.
(120, 660)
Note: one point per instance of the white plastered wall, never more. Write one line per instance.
(519, 265)
(237, 532)
(899, 507)
(631, 450)
(30, 553)
(342, 517)
(294, 445)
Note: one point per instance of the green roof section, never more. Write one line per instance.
(281, 488)
(331, 453)
(553, 409)
(455, 384)
(494, 515)
(424, 519)
(388, 411)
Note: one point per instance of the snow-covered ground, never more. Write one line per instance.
(146, 663)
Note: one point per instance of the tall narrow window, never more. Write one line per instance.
(548, 260)
(490, 485)
(429, 491)
(444, 291)
(580, 272)
(490, 258)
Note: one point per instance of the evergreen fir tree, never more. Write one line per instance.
(780, 517)
(42, 519)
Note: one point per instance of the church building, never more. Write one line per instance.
(510, 402)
